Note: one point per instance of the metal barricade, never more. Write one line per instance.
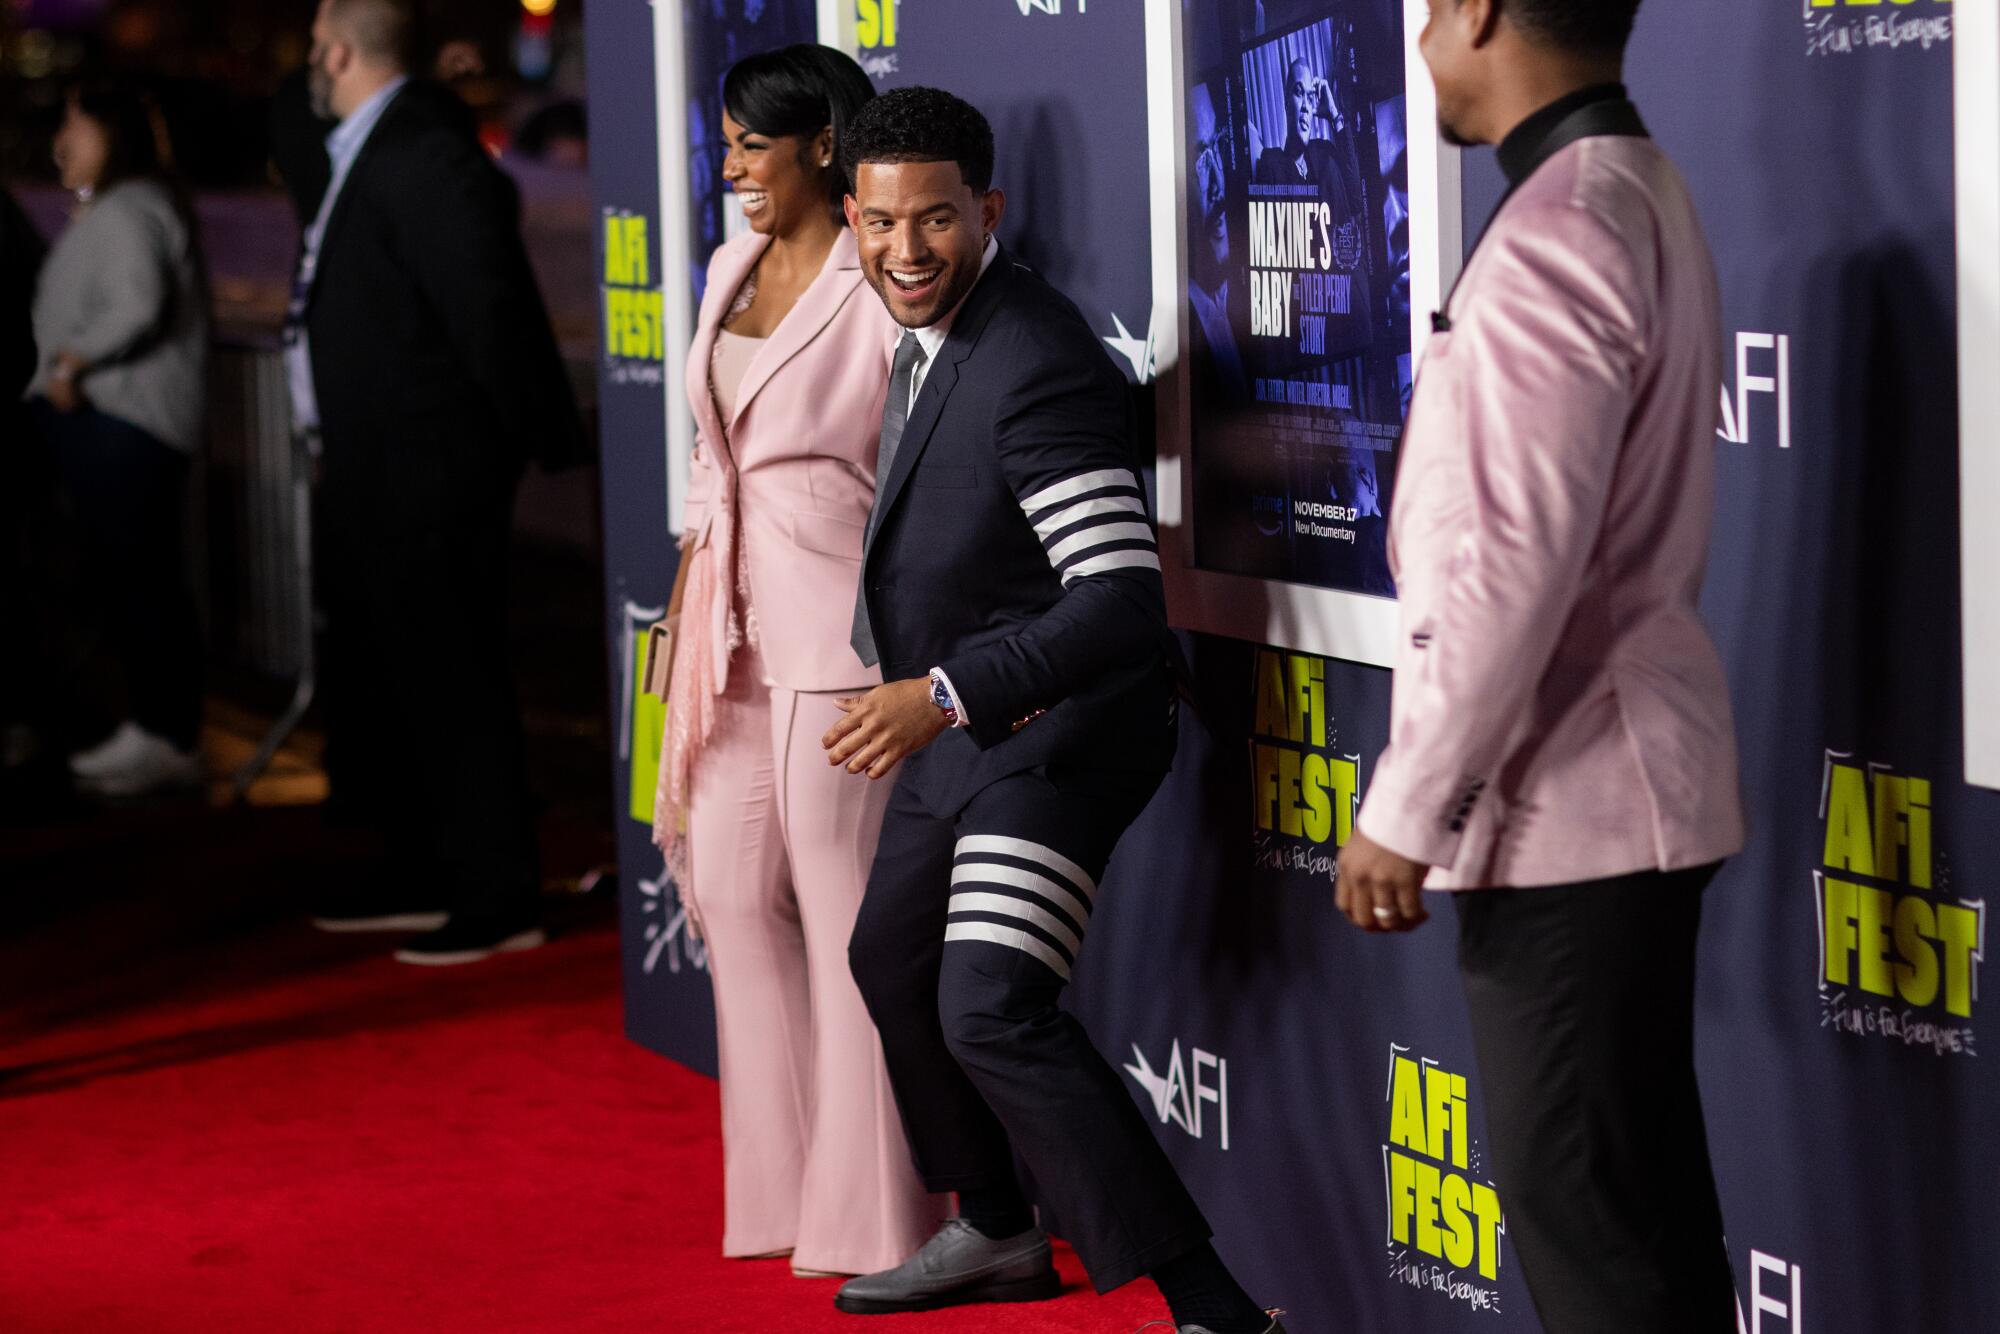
(260, 532)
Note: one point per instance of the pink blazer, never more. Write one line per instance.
(799, 460)
(1559, 711)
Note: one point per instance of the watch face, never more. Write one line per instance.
(940, 696)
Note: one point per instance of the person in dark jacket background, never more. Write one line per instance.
(21, 251)
(425, 373)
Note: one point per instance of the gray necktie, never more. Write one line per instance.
(895, 415)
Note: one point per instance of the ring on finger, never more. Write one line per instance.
(1384, 914)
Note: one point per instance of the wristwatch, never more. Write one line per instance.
(942, 697)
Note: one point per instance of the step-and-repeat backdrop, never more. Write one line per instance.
(1317, 1087)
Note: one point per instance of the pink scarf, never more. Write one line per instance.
(710, 632)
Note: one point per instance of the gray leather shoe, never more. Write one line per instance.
(958, 1266)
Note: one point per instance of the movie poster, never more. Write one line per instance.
(718, 33)
(1298, 286)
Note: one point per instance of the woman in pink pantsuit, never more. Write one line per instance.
(771, 846)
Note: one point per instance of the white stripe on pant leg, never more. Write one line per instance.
(1012, 937)
(1006, 906)
(1112, 560)
(1076, 486)
(1031, 852)
(1102, 535)
(993, 873)
(1088, 509)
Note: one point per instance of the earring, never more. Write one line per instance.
(826, 162)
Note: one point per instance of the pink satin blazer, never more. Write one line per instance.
(1559, 712)
(794, 469)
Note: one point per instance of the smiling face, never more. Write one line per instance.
(776, 178)
(921, 231)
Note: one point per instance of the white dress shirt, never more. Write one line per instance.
(931, 339)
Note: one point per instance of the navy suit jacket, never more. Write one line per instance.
(1014, 550)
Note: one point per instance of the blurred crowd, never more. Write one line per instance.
(423, 376)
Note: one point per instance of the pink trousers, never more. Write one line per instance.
(780, 842)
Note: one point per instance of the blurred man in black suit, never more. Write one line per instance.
(424, 370)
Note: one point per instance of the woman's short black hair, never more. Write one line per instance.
(798, 90)
(921, 125)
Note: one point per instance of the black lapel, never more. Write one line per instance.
(940, 380)
(1616, 117)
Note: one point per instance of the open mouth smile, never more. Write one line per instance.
(915, 282)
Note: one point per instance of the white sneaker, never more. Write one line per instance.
(151, 764)
(115, 752)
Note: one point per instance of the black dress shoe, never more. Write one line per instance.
(957, 1267)
(469, 939)
(397, 905)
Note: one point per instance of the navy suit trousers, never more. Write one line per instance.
(964, 943)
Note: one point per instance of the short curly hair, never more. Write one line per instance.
(1593, 27)
(921, 125)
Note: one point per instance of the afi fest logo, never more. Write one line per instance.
(1181, 1092)
(1849, 27)
(875, 35)
(1771, 1297)
(635, 344)
(1444, 1223)
(1900, 945)
(1303, 794)
(1763, 366)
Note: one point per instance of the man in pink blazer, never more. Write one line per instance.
(1560, 740)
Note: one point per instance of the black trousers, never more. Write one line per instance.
(963, 945)
(1582, 1006)
(424, 741)
(128, 490)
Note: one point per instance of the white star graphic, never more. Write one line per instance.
(1155, 1085)
(1139, 352)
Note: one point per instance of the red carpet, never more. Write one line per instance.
(303, 1137)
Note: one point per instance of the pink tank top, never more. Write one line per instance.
(727, 366)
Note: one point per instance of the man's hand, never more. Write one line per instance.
(1379, 890)
(1327, 103)
(883, 726)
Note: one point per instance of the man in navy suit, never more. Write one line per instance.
(1011, 591)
